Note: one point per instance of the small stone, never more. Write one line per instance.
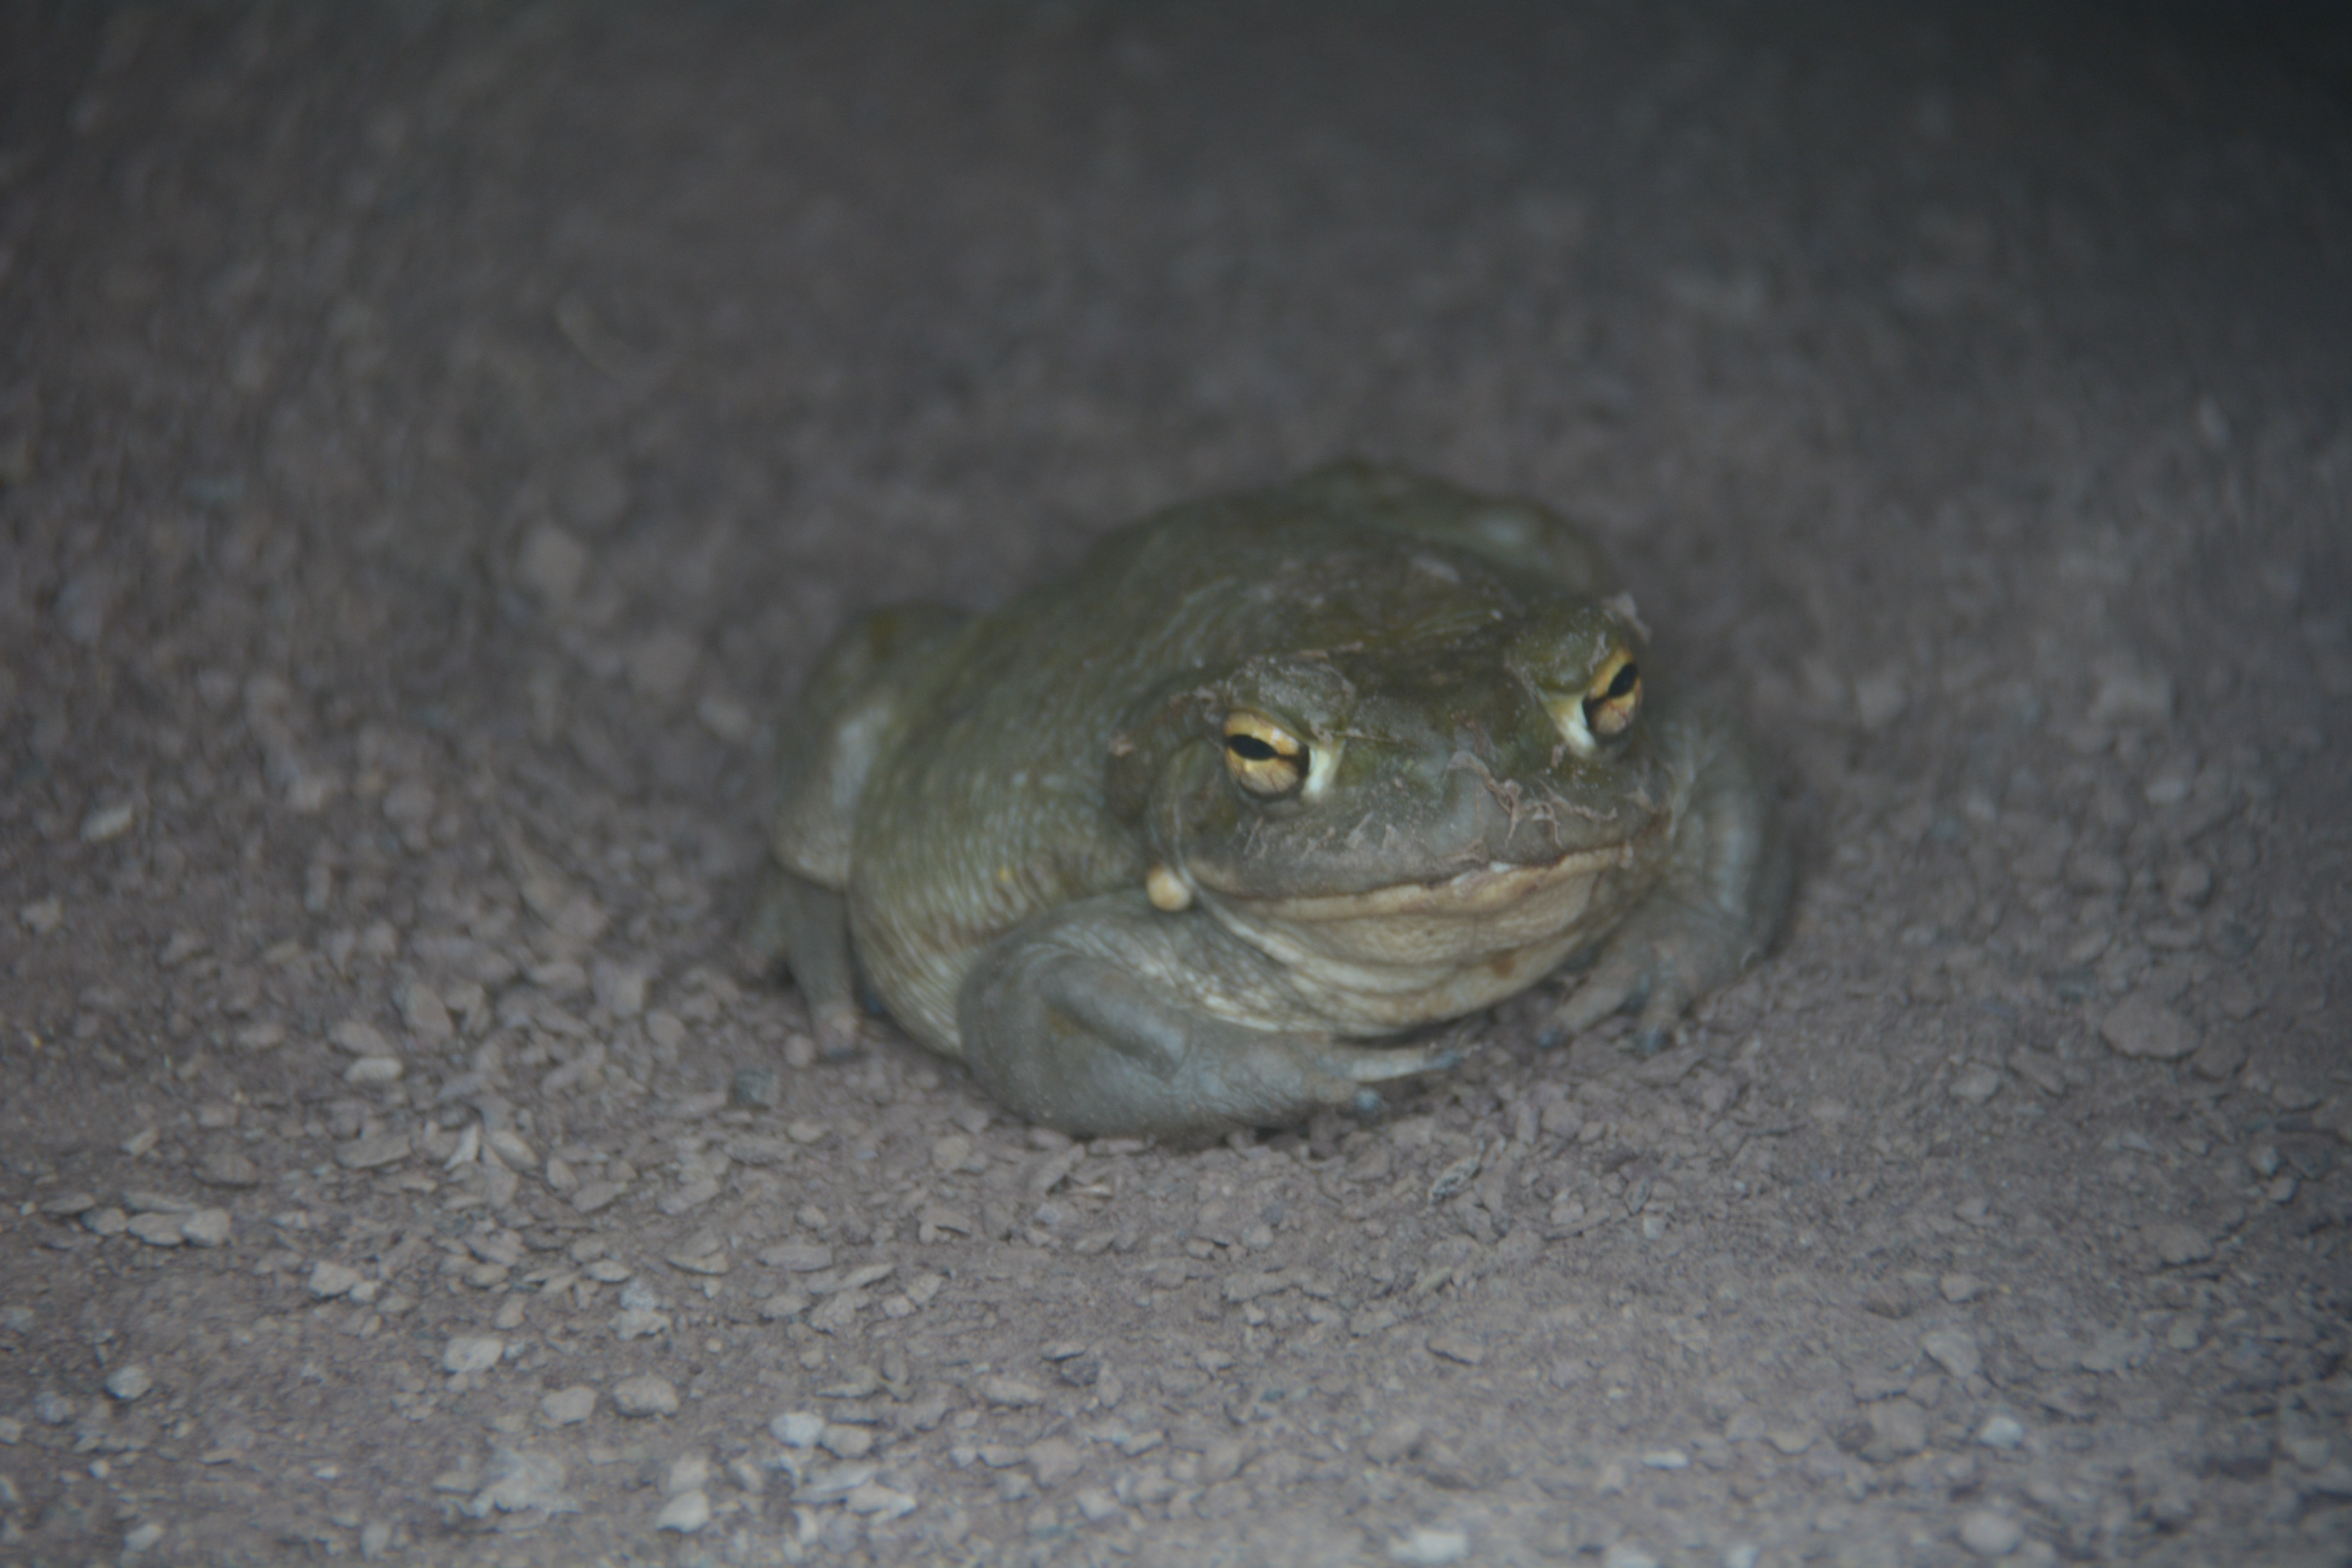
(756, 1088)
(1455, 1346)
(1898, 1429)
(689, 1472)
(107, 822)
(2129, 698)
(568, 1406)
(644, 1395)
(41, 917)
(552, 565)
(157, 1229)
(2001, 1432)
(1879, 699)
(797, 1257)
(361, 1038)
(1954, 1350)
(329, 1280)
(620, 989)
(1097, 1504)
(1624, 1554)
(141, 1144)
(227, 1167)
(727, 718)
(12, 1431)
(472, 1353)
(591, 1196)
(128, 1383)
(797, 1428)
(1055, 1460)
(2139, 1026)
(1397, 1440)
(872, 1498)
(1976, 1085)
(1665, 1460)
(686, 1513)
(1428, 1548)
(1959, 1289)
(143, 1538)
(206, 1227)
(373, 1069)
(1990, 1534)
(367, 1154)
(68, 1204)
(422, 1012)
(845, 1442)
(2176, 1244)
(999, 1389)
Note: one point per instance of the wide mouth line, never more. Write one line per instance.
(1475, 889)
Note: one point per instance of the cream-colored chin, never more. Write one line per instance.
(1394, 957)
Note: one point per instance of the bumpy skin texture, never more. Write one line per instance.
(1380, 751)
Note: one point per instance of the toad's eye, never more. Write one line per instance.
(1605, 710)
(1263, 758)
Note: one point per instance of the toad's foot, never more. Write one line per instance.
(1090, 1044)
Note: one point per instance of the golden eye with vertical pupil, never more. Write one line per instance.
(1263, 758)
(1605, 710)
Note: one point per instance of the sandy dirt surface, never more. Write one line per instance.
(434, 439)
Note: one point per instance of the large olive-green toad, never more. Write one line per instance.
(1166, 845)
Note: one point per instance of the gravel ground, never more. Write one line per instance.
(435, 438)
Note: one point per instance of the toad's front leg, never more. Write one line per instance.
(1089, 1020)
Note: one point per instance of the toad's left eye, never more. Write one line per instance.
(1606, 708)
(1263, 758)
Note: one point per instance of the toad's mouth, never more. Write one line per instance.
(1394, 957)
(1484, 893)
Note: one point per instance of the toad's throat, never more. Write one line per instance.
(1413, 952)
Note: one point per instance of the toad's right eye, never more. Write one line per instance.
(1264, 759)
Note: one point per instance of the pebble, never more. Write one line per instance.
(797, 1428)
(999, 1389)
(644, 1395)
(145, 1538)
(686, 1513)
(1990, 1534)
(1055, 1460)
(1959, 1289)
(552, 565)
(373, 1069)
(688, 1472)
(361, 1038)
(591, 1196)
(1625, 1555)
(2142, 1027)
(206, 1227)
(472, 1353)
(227, 1167)
(1954, 1350)
(1428, 1548)
(367, 1154)
(2001, 1432)
(128, 1383)
(1394, 1441)
(568, 1406)
(873, 1498)
(329, 1280)
(1976, 1085)
(157, 1229)
(1455, 1346)
(109, 821)
(2175, 1243)
(423, 1011)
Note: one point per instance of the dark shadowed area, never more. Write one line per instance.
(435, 439)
